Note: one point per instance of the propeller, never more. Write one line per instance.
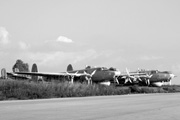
(127, 80)
(116, 79)
(117, 73)
(138, 78)
(129, 77)
(88, 77)
(148, 79)
(72, 76)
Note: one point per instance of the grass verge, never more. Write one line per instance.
(10, 89)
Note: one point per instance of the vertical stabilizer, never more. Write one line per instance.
(34, 69)
(3, 73)
(69, 68)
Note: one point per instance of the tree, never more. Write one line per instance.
(69, 67)
(34, 69)
(20, 66)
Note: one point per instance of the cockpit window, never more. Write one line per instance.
(154, 71)
(168, 72)
(99, 69)
(102, 68)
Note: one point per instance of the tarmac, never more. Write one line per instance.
(163, 106)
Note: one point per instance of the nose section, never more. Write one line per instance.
(172, 76)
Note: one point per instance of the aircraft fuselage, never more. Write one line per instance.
(160, 77)
(101, 74)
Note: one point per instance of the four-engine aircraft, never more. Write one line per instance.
(157, 78)
(107, 76)
(100, 75)
(151, 77)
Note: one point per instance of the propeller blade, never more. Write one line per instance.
(129, 76)
(148, 82)
(86, 73)
(127, 72)
(76, 72)
(130, 80)
(88, 76)
(93, 73)
(72, 79)
(116, 80)
(127, 80)
(150, 76)
(139, 78)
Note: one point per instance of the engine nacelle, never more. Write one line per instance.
(157, 84)
(105, 83)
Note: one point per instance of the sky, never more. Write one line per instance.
(111, 33)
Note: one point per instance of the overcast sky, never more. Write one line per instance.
(119, 33)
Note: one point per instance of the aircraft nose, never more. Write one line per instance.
(172, 76)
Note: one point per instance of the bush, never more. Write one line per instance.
(172, 88)
(135, 89)
(152, 90)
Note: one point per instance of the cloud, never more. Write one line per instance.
(59, 58)
(64, 39)
(85, 56)
(147, 58)
(23, 45)
(4, 36)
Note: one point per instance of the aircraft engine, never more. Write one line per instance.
(105, 83)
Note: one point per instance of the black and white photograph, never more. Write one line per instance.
(89, 59)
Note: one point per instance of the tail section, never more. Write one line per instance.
(3, 73)
(34, 69)
(69, 68)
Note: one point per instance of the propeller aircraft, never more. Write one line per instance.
(106, 76)
(151, 77)
(100, 75)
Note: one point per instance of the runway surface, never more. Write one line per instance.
(124, 107)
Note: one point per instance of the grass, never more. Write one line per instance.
(11, 89)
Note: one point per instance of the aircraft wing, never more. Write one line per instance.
(11, 75)
(133, 74)
(47, 74)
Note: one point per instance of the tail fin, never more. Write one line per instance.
(87, 67)
(3, 73)
(69, 68)
(34, 68)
